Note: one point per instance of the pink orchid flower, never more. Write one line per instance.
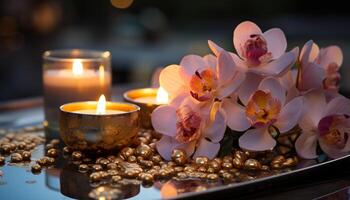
(258, 52)
(259, 55)
(327, 124)
(204, 78)
(320, 67)
(188, 126)
(266, 108)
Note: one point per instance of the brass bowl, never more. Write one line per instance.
(98, 132)
(146, 108)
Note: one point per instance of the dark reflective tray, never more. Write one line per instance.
(310, 179)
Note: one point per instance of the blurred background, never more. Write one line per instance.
(143, 35)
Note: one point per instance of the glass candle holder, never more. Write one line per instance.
(73, 75)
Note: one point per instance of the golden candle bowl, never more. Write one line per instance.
(108, 131)
(131, 96)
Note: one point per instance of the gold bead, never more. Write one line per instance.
(237, 163)
(211, 170)
(252, 164)
(218, 160)
(156, 158)
(132, 159)
(178, 169)
(16, 157)
(146, 178)
(212, 177)
(227, 159)
(116, 178)
(290, 162)
(227, 165)
(278, 160)
(202, 169)
(240, 155)
(83, 168)
(127, 151)
(215, 165)
(201, 160)
(144, 150)
(179, 156)
(182, 175)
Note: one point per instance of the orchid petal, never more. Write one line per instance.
(164, 120)
(166, 145)
(248, 87)
(278, 66)
(309, 52)
(338, 105)
(231, 86)
(216, 49)
(242, 33)
(210, 60)
(170, 79)
(215, 130)
(314, 105)
(332, 151)
(207, 149)
(241, 65)
(290, 115)
(236, 117)
(192, 63)
(276, 42)
(306, 145)
(257, 140)
(312, 76)
(225, 68)
(273, 86)
(331, 54)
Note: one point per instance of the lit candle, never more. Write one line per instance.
(102, 125)
(148, 99)
(73, 79)
(160, 98)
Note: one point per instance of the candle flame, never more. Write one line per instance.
(162, 96)
(77, 67)
(101, 105)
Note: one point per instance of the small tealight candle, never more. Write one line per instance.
(148, 99)
(101, 125)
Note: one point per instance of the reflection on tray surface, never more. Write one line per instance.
(127, 174)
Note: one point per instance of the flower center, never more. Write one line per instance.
(332, 79)
(255, 51)
(331, 130)
(188, 124)
(262, 109)
(202, 84)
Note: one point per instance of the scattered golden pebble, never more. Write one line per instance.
(144, 150)
(52, 153)
(237, 163)
(115, 179)
(252, 164)
(36, 168)
(83, 168)
(212, 177)
(77, 155)
(179, 156)
(16, 157)
(26, 155)
(146, 177)
(201, 160)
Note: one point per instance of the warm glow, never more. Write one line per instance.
(101, 72)
(162, 96)
(101, 105)
(78, 67)
(122, 3)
